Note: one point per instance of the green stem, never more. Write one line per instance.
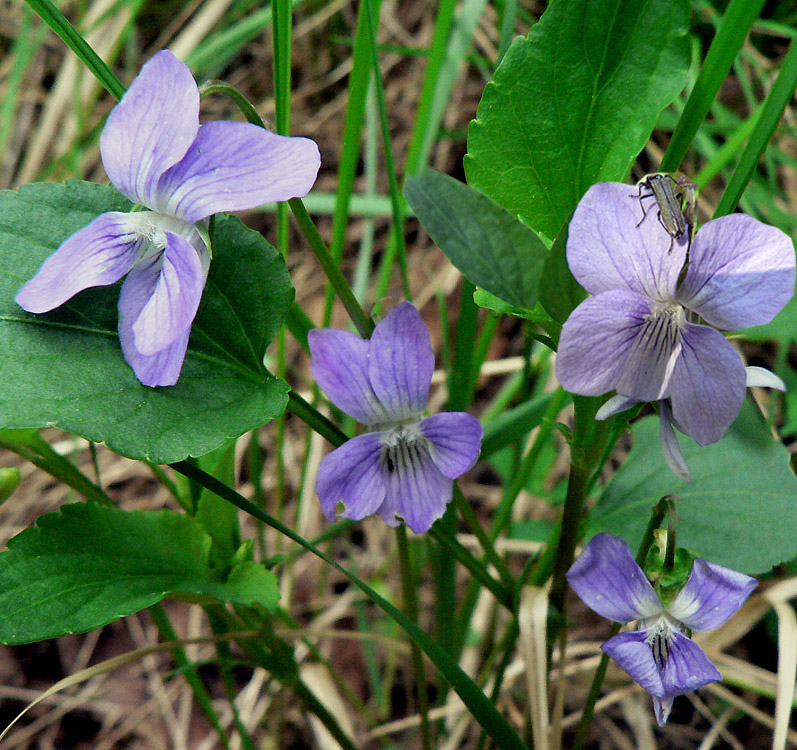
(600, 673)
(586, 448)
(736, 22)
(571, 523)
(672, 523)
(167, 482)
(359, 79)
(280, 661)
(363, 324)
(480, 707)
(490, 553)
(777, 100)
(315, 706)
(411, 608)
(299, 324)
(74, 40)
(395, 193)
(185, 665)
(440, 533)
(246, 107)
(310, 415)
(38, 452)
(527, 464)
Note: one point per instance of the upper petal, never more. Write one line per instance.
(350, 476)
(687, 667)
(339, 363)
(401, 362)
(741, 272)
(151, 128)
(162, 368)
(597, 339)
(97, 255)
(711, 595)
(417, 492)
(161, 296)
(708, 384)
(232, 166)
(608, 247)
(456, 439)
(608, 580)
(632, 653)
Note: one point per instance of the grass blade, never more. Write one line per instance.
(774, 105)
(488, 716)
(739, 17)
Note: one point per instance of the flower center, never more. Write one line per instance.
(152, 227)
(669, 317)
(402, 446)
(661, 631)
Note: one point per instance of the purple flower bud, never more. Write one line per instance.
(157, 154)
(659, 655)
(642, 334)
(404, 469)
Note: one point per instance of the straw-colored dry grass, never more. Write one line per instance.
(141, 704)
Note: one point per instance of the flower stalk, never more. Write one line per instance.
(411, 610)
(363, 324)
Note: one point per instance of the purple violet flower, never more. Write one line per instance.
(404, 469)
(660, 656)
(641, 334)
(157, 154)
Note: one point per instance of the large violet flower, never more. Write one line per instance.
(404, 469)
(641, 332)
(157, 154)
(659, 655)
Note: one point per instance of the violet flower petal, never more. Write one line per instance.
(339, 363)
(708, 384)
(456, 439)
(607, 250)
(614, 405)
(401, 362)
(597, 340)
(651, 360)
(162, 368)
(232, 166)
(687, 667)
(351, 476)
(741, 272)
(673, 455)
(172, 287)
(632, 653)
(759, 377)
(97, 255)
(662, 708)
(608, 580)
(151, 128)
(417, 492)
(711, 595)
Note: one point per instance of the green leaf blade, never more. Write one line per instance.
(738, 511)
(87, 565)
(574, 103)
(65, 368)
(486, 243)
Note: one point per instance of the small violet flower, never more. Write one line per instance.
(641, 333)
(659, 655)
(157, 154)
(404, 468)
